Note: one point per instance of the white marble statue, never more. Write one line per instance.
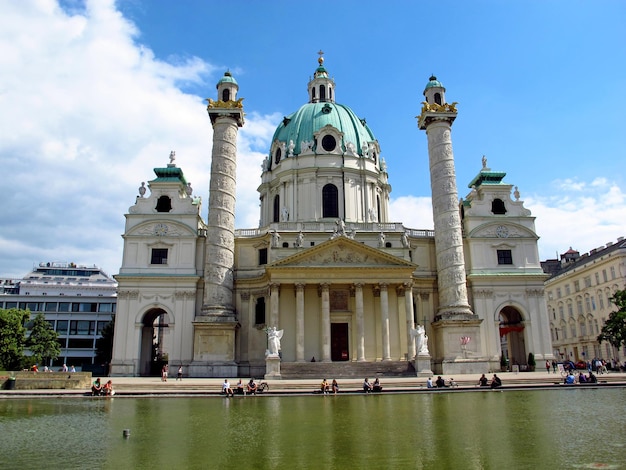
(405, 240)
(421, 340)
(273, 341)
(291, 147)
(341, 227)
(189, 189)
(381, 240)
(275, 239)
(172, 157)
(285, 214)
(372, 215)
(299, 240)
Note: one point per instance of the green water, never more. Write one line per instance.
(557, 429)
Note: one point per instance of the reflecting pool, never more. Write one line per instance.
(554, 429)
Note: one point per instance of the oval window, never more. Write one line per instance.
(329, 143)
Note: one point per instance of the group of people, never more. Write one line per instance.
(35, 368)
(369, 387)
(250, 388)
(97, 389)
(326, 388)
(496, 382)
(440, 383)
(581, 378)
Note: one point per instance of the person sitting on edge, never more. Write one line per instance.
(452, 383)
(240, 388)
(570, 379)
(496, 382)
(377, 387)
(582, 379)
(592, 378)
(335, 386)
(429, 382)
(107, 389)
(367, 386)
(252, 387)
(226, 389)
(440, 383)
(324, 387)
(483, 382)
(96, 388)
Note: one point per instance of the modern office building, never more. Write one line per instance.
(77, 301)
(327, 266)
(578, 295)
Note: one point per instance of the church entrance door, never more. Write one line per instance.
(153, 353)
(339, 344)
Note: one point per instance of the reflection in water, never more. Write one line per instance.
(482, 429)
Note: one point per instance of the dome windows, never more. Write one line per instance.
(330, 201)
(329, 143)
(278, 155)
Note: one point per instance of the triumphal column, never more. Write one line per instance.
(215, 325)
(454, 317)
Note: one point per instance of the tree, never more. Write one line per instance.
(43, 341)
(614, 329)
(12, 337)
(104, 344)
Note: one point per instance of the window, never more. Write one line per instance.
(159, 256)
(262, 256)
(601, 299)
(62, 327)
(497, 206)
(567, 289)
(276, 209)
(604, 275)
(322, 93)
(593, 302)
(330, 201)
(558, 292)
(100, 327)
(505, 257)
(579, 306)
(78, 343)
(65, 307)
(51, 306)
(597, 278)
(612, 272)
(573, 330)
(226, 95)
(561, 312)
(164, 204)
(438, 98)
(82, 327)
(329, 143)
(105, 307)
(577, 285)
(587, 281)
(570, 309)
(259, 311)
(583, 328)
(84, 307)
(588, 304)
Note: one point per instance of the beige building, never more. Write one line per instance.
(346, 286)
(578, 295)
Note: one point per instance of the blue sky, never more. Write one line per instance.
(94, 94)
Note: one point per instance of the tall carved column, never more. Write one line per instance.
(214, 327)
(325, 288)
(360, 323)
(436, 119)
(384, 318)
(299, 322)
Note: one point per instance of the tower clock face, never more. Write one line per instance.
(502, 231)
(160, 230)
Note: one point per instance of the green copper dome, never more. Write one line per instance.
(310, 118)
(433, 82)
(227, 78)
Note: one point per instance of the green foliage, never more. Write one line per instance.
(12, 337)
(531, 360)
(614, 329)
(43, 341)
(104, 344)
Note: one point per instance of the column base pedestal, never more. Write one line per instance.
(422, 365)
(272, 367)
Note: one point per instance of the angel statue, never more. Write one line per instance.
(421, 340)
(273, 341)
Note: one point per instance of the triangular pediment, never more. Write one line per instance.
(342, 252)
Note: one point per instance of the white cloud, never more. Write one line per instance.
(91, 113)
(414, 212)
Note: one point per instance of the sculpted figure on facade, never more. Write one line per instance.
(172, 157)
(290, 148)
(299, 239)
(189, 189)
(421, 340)
(285, 214)
(275, 239)
(273, 341)
(405, 240)
(381, 240)
(142, 189)
(351, 149)
(372, 215)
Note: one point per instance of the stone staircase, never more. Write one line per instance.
(337, 370)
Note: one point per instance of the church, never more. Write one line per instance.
(351, 292)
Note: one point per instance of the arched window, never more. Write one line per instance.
(322, 93)
(259, 311)
(438, 98)
(497, 206)
(378, 208)
(313, 94)
(276, 211)
(330, 201)
(226, 95)
(330, 93)
(164, 204)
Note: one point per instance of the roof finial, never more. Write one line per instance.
(321, 59)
